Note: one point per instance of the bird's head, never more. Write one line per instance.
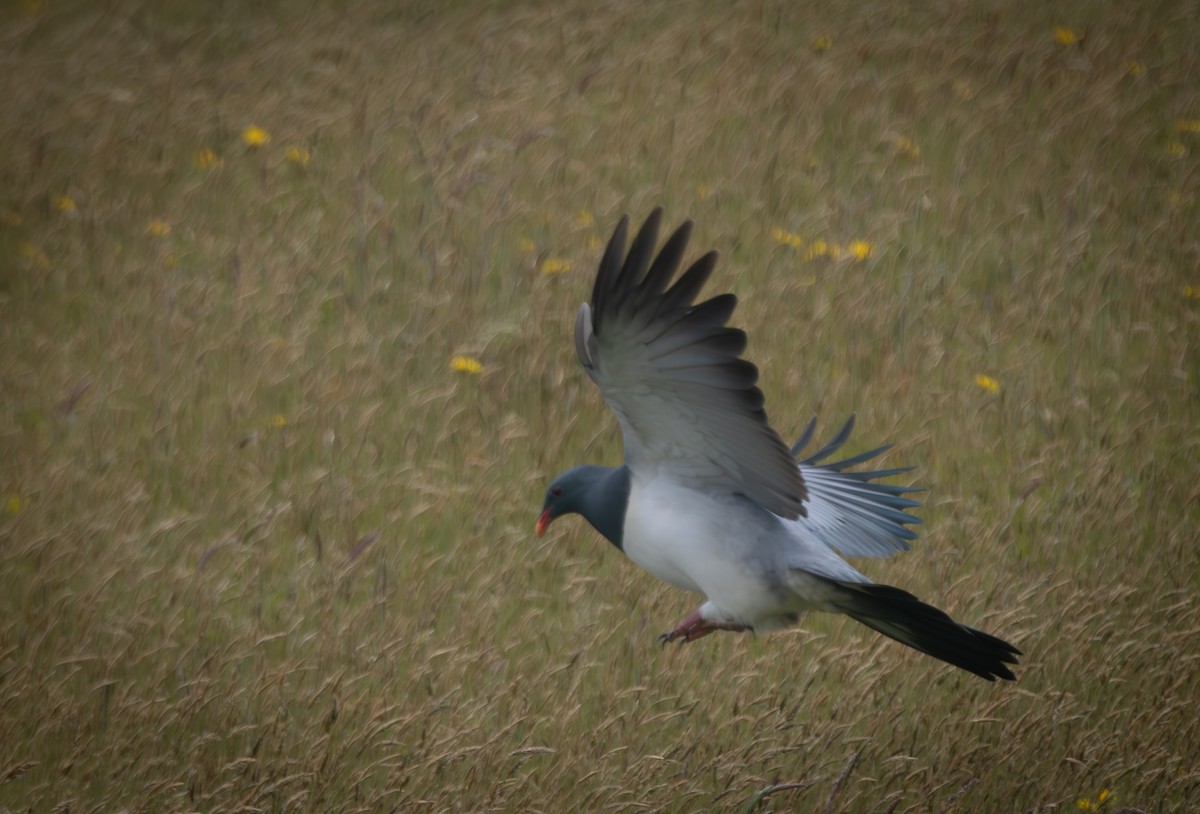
(564, 496)
(599, 493)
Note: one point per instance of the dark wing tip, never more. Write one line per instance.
(691, 347)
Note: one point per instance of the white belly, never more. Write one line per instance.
(674, 533)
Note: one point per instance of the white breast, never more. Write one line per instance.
(681, 537)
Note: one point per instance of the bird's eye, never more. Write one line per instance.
(556, 491)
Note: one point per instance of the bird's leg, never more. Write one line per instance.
(696, 627)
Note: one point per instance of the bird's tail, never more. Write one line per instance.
(901, 616)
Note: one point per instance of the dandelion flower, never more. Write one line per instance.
(907, 146)
(298, 155)
(1176, 148)
(987, 383)
(14, 503)
(555, 265)
(1084, 804)
(1065, 36)
(278, 421)
(255, 136)
(703, 192)
(860, 249)
(466, 364)
(1191, 292)
(158, 228)
(585, 219)
(205, 158)
(819, 248)
(34, 255)
(1135, 68)
(822, 43)
(65, 204)
(1187, 125)
(786, 238)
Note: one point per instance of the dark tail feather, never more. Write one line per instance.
(901, 616)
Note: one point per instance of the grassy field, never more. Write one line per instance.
(264, 548)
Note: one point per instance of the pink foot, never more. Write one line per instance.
(694, 627)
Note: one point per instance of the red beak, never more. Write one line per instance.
(542, 523)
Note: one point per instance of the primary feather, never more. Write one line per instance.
(672, 372)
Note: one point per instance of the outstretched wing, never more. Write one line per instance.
(848, 511)
(673, 373)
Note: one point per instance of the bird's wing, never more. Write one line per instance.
(848, 511)
(673, 373)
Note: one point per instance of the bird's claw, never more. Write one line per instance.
(692, 628)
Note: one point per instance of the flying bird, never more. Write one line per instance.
(709, 498)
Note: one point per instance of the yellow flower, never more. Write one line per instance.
(1187, 125)
(1084, 804)
(860, 249)
(158, 228)
(65, 204)
(819, 248)
(14, 503)
(526, 245)
(466, 364)
(1065, 36)
(34, 255)
(1135, 68)
(822, 43)
(907, 146)
(584, 218)
(255, 136)
(278, 421)
(703, 192)
(987, 383)
(555, 265)
(1176, 148)
(786, 238)
(298, 155)
(1191, 292)
(205, 158)
(594, 242)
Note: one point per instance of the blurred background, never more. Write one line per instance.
(286, 299)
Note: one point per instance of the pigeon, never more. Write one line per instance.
(710, 499)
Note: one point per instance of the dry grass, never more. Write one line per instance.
(263, 550)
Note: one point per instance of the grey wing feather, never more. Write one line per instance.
(672, 372)
(849, 511)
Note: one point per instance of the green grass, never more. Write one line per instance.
(261, 549)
